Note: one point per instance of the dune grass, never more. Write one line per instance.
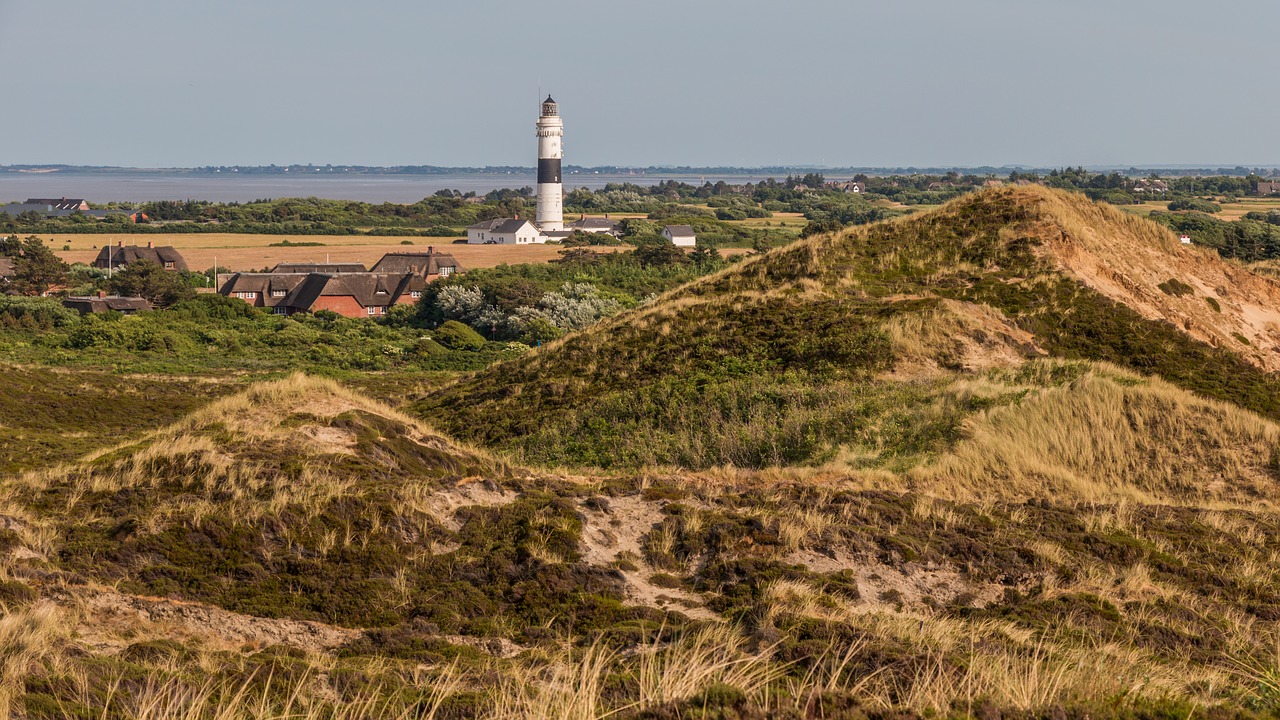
(787, 357)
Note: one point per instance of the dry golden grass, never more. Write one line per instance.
(1107, 436)
(948, 335)
(223, 452)
(27, 636)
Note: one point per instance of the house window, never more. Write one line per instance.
(278, 293)
(247, 295)
(444, 271)
(168, 265)
(415, 293)
(371, 310)
(279, 310)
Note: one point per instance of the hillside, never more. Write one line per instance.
(848, 343)
(983, 462)
(297, 550)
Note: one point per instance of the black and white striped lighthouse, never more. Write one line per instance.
(550, 214)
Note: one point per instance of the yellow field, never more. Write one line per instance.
(251, 252)
(1230, 211)
(779, 220)
(236, 251)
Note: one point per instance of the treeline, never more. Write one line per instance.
(1256, 236)
(210, 331)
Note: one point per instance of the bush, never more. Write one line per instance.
(35, 313)
(1195, 204)
(456, 336)
(426, 347)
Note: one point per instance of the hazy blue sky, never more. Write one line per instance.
(689, 82)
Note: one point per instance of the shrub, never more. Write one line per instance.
(428, 347)
(35, 313)
(456, 336)
(1175, 287)
(1195, 204)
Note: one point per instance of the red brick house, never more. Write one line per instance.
(348, 294)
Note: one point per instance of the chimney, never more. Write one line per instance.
(150, 244)
(431, 249)
(102, 293)
(119, 243)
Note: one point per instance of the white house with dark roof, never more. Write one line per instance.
(680, 235)
(598, 226)
(504, 231)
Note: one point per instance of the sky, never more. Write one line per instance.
(926, 83)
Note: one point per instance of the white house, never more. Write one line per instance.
(478, 234)
(504, 231)
(598, 226)
(680, 235)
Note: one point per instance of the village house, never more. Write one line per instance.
(119, 255)
(1150, 185)
(50, 208)
(1267, 188)
(396, 279)
(103, 302)
(849, 186)
(264, 290)
(6, 270)
(680, 235)
(596, 226)
(430, 264)
(61, 203)
(348, 294)
(331, 268)
(504, 231)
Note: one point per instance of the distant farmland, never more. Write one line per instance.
(249, 252)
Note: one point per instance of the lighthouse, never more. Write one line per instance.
(550, 215)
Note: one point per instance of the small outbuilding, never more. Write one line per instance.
(680, 235)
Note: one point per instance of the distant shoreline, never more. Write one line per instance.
(615, 170)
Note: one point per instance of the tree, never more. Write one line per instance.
(36, 270)
(704, 256)
(659, 254)
(145, 279)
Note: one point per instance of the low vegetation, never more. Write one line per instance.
(940, 466)
(789, 357)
